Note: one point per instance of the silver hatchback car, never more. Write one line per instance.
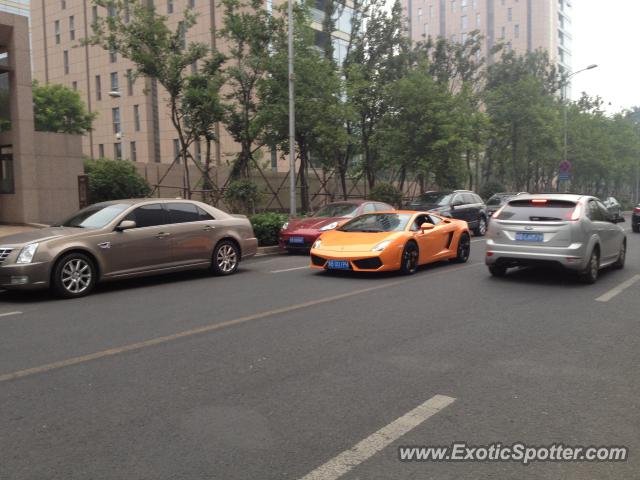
(573, 231)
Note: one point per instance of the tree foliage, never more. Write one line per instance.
(58, 108)
(114, 180)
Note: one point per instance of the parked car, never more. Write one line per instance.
(573, 231)
(386, 241)
(613, 206)
(460, 204)
(635, 219)
(125, 238)
(299, 234)
(498, 199)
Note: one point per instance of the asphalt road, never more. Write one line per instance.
(275, 371)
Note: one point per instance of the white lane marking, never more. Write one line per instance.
(478, 240)
(365, 449)
(8, 314)
(289, 269)
(617, 290)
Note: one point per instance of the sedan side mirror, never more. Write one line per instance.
(126, 225)
(426, 227)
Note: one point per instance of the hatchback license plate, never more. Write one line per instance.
(338, 265)
(296, 240)
(529, 237)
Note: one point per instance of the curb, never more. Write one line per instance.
(272, 250)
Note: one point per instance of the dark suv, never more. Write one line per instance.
(635, 219)
(461, 204)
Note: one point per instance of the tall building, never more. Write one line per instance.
(133, 118)
(17, 7)
(523, 25)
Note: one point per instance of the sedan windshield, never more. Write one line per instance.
(96, 216)
(337, 210)
(434, 198)
(377, 222)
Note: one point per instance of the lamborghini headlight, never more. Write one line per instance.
(381, 246)
(317, 243)
(330, 226)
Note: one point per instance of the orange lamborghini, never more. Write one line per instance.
(393, 240)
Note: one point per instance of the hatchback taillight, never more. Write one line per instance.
(577, 212)
(636, 210)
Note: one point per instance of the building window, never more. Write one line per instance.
(98, 88)
(115, 115)
(111, 10)
(426, 30)
(503, 32)
(516, 31)
(509, 14)
(430, 11)
(192, 3)
(136, 117)
(453, 38)
(129, 82)
(127, 13)
(63, 4)
(463, 37)
(74, 85)
(94, 13)
(176, 150)
(56, 29)
(453, 6)
(419, 12)
(133, 156)
(169, 6)
(100, 150)
(198, 153)
(113, 56)
(478, 21)
(117, 151)
(6, 170)
(475, 4)
(464, 22)
(65, 59)
(114, 82)
(72, 28)
(194, 68)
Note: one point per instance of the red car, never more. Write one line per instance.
(299, 234)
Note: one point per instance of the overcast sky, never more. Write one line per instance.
(606, 33)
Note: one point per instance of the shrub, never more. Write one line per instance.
(242, 196)
(266, 227)
(387, 193)
(491, 187)
(114, 180)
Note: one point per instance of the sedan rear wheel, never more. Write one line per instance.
(409, 260)
(226, 258)
(497, 270)
(73, 276)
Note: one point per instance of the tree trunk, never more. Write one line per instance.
(302, 176)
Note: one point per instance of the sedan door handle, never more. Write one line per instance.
(163, 234)
(208, 228)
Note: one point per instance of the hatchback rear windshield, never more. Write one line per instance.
(528, 211)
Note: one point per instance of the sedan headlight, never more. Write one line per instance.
(317, 243)
(381, 246)
(286, 224)
(27, 253)
(331, 226)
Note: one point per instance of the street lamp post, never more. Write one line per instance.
(565, 84)
(292, 118)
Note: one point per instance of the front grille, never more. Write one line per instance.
(4, 253)
(317, 261)
(368, 263)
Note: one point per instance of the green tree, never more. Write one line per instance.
(248, 31)
(159, 52)
(60, 109)
(114, 180)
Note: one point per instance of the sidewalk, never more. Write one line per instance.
(11, 229)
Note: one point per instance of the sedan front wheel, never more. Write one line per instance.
(74, 275)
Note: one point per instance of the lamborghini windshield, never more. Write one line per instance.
(377, 222)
